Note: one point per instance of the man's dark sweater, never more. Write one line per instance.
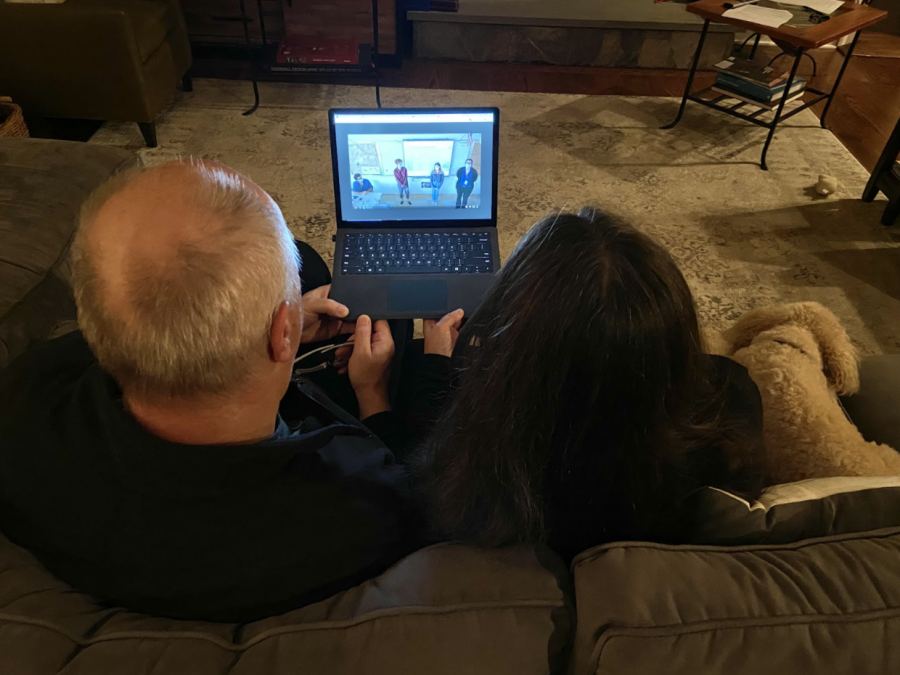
(221, 533)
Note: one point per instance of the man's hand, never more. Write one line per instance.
(441, 336)
(370, 365)
(322, 316)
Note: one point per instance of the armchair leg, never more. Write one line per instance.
(148, 130)
(187, 83)
(891, 212)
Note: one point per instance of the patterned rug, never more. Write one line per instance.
(743, 237)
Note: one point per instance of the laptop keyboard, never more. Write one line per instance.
(417, 253)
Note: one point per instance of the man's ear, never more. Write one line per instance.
(285, 332)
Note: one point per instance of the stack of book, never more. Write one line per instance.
(753, 83)
(315, 50)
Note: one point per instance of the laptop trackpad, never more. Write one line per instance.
(422, 295)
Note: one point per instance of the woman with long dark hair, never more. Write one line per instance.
(585, 409)
(437, 180)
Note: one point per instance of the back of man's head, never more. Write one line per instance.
(178, 271)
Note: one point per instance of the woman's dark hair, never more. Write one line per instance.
(585, 405)
(357, 175)
(440, 168)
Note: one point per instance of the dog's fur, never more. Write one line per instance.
(801, 359)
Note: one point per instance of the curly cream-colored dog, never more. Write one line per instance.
(801, 359)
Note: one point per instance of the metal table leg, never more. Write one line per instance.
(840, 76)
(262, 24)
(755, 45)
(781, 104)
(690, 82)
(375, 49)
(249, 48)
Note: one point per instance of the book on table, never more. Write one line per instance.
(305, 50)
(758, 92)
(768, 105)
(751, 71)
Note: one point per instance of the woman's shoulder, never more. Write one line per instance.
(725, 365)
(729, 372)
(726, 368)
(740, 391)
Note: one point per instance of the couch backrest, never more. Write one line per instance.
(42, 187)
(446, 610)
(824, 606)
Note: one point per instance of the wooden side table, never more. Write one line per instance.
(853, 18)
(886, 178)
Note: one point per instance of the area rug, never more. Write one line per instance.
(744, 237)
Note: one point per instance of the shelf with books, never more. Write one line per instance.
(751, 71)
(303, 56)
(730, 104)
(749, 100)
(752, 93)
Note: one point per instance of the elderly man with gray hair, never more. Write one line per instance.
(162, 459)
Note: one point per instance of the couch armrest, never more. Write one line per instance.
(875, 408)
(72, 36)
(98, 17)
(73, 59)
(177, 10)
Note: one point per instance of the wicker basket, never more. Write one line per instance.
(12, 122)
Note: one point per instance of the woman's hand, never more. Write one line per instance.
(370, 366)
(441, 336)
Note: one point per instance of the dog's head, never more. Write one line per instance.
(811, 329)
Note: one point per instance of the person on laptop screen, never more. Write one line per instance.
(465, 183)
(361, 186)
(437, 180)
(402, 178)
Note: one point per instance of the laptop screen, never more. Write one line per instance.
(421, 166)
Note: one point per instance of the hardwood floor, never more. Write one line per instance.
(862, 117)
(867, 106)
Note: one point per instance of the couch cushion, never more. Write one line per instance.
(42, 186)
(444, 610)
(823, 606)
(819, 507)
(874, 408)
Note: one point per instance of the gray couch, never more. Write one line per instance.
(806, 581)
(42, 186)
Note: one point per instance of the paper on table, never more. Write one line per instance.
(760, 15)
(824, 6)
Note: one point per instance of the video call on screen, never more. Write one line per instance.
(415, 166)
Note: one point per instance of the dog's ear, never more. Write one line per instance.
(754, 322)
(839, 359)
(840, 362)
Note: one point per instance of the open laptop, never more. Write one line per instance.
(416, 197)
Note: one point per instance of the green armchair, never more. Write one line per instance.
(94, 59)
